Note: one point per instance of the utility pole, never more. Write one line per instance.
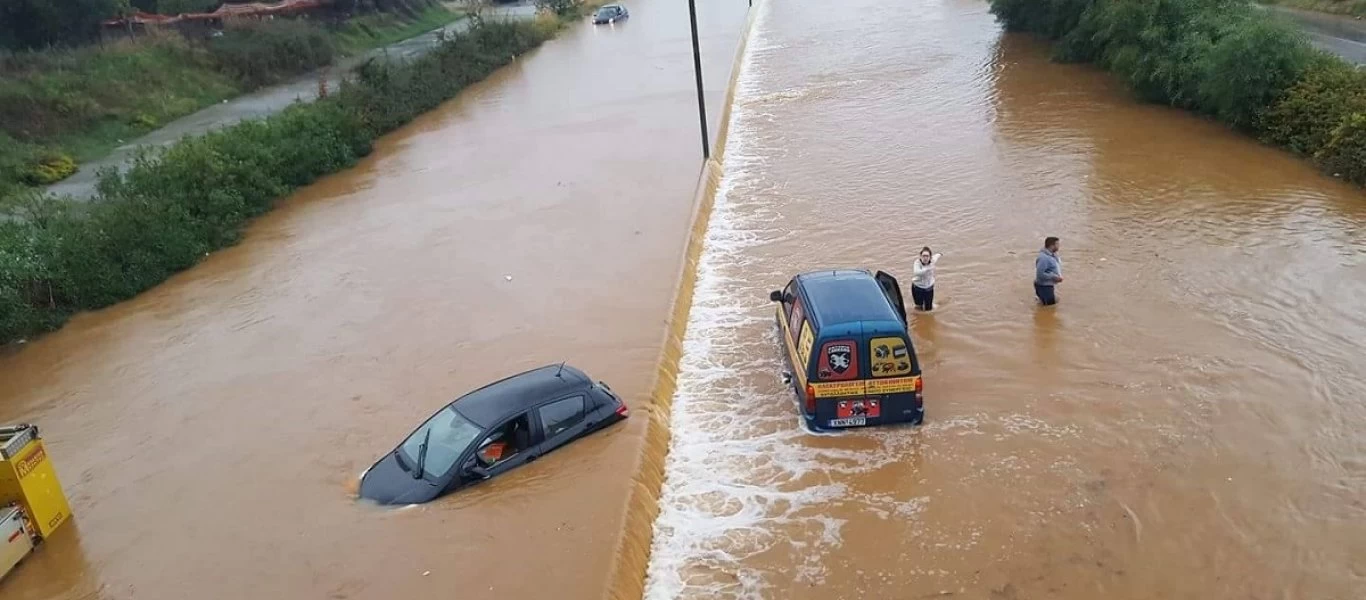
(697, 69)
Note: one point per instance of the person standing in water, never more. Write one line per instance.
(922, 280)
(1047, 272)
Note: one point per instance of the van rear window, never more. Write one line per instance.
(890, 357)
(838, 361)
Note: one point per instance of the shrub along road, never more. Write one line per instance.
(263, 103)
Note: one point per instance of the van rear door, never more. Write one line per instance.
(893, 291)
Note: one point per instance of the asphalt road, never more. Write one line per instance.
(1343, 36)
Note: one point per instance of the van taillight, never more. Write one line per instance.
(623, 411)
(810, 399)
(919, 385)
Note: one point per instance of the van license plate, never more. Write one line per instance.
(852, 422)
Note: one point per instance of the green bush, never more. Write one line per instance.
(1250, 67)
(15, 157)
(49, 167)
(561, 8)
(1345, 153)
(260, 53)
(1052, 19)
(175, 205)
(1304, 119)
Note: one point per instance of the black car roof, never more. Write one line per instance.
(491, 403)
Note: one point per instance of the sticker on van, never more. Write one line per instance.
(804, 344)
(839, 361)
(890, 357)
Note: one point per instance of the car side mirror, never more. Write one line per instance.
(775, 296)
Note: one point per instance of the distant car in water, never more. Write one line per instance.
(611, 14)
(491, 431)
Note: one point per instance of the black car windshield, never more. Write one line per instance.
(607, 11)
(451, 434)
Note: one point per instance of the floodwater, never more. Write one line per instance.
(210, 431)
(1187, 423)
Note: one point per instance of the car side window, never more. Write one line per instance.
(505, 442)
(560, 415)
(796, 313)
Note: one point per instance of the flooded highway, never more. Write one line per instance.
(1185, 424)
(209, 432)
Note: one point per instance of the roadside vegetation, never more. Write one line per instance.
(65, 105)
(1222, 58)
(1354, 8)
(176, 205)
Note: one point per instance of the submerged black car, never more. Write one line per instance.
(490, 431)
(610, 14)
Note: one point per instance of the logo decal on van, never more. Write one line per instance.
(840, 356)
(891, 358)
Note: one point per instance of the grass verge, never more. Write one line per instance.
(176, 205)
(372, 31)
(62, 107)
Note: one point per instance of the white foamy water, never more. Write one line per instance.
(740, 487)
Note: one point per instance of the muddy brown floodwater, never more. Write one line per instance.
(1187, 423)
(209, 432)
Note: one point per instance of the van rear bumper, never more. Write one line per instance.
(896, 409)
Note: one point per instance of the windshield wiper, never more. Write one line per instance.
(422, 454)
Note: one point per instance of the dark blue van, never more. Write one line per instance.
(851, 360)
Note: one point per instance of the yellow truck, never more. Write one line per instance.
(32, 505)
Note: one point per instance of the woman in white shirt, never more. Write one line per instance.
(922, 282)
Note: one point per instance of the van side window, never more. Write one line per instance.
(890, 357)
(838, 361)
(796, 316)
(790, 301)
